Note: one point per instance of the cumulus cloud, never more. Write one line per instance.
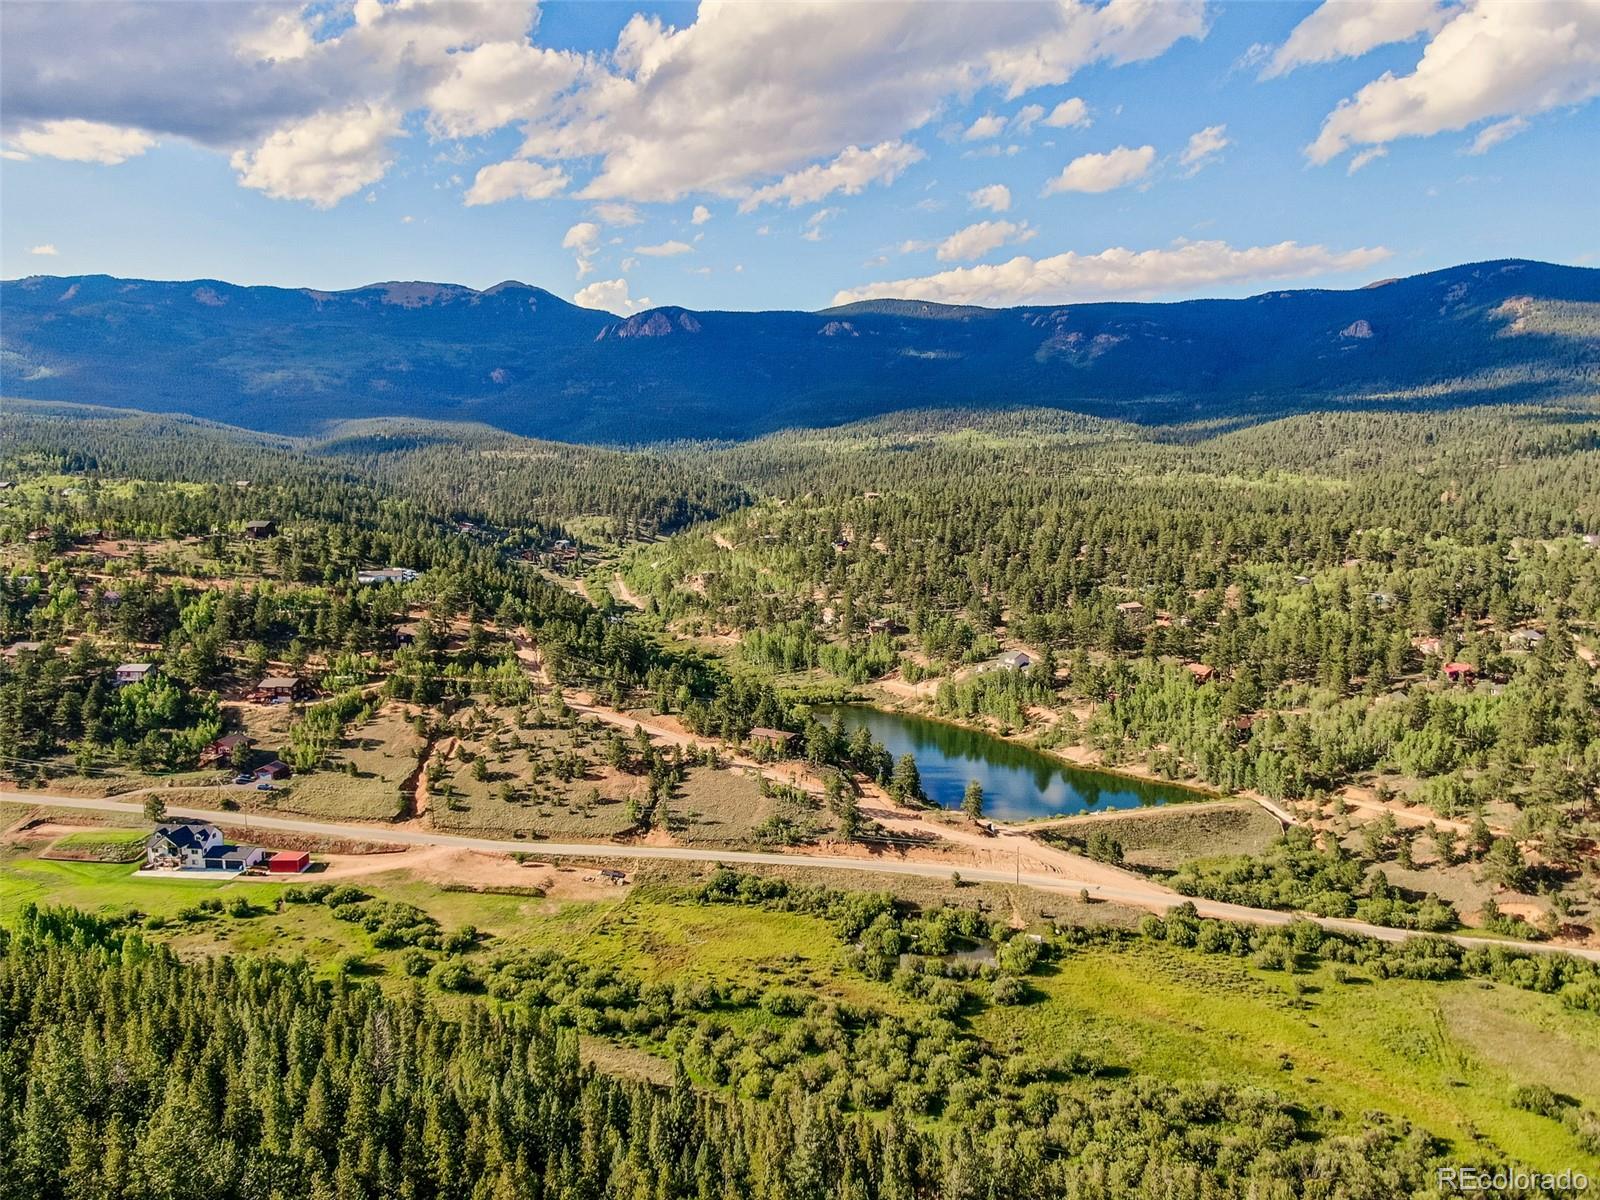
(47, 249)
(700, 216)
(1025, 118)
(1491, 136)
(996, 197)
(610, 295)
(1350, 28)
(1203, 148)
(1103, 172)
(303, 100)
(985, 127)
(742, 95)
(583, 239)
(977, 240)
(1183, 268)
(849, 173)
(1069, 114)
(1489, 60)
(1370, 155)
(516, 179)
(750, 91)
(612, 213)
(664, 249)
(492, 85)
(80, 141)
(322, 159)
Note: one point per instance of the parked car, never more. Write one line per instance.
(243, 778)
(264, 787)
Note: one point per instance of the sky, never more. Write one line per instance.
(795, 155)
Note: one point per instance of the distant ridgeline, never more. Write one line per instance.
(521, 359)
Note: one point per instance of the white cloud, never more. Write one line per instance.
(1026, 117)
(664, 249)
(322, 159)
(752, 91)
(1103, 172)
(742, 95)
(611, 213)
(813, 227)
(996, 197)
(45, 248)
(849, 173)
(985, 127)
(1183, 268)
(516, 178)
(610, 295)
(1490, 60)
(1069, 114)
(1492, 135)
(700, 216)
(977, 240)
(494, 84)
(1350, 28)
(1370, 155)
(583, 239)
(1204, 147)
(81, 141)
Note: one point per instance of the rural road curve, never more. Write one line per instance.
(1136, 892)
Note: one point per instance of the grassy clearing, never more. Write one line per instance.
(1166, 838)
(105, 845)
(1429, 1052)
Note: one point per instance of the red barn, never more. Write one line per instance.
(288, 862)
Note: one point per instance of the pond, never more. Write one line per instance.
(1018, 782)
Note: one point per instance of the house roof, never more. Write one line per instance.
(771, 735)
(272, 682)
(184, 836)
(121, 667)
(229, 740)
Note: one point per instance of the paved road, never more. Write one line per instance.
(1136, 892)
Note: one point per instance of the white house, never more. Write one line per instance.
(387, 575)
(197, 847)
(181, 845)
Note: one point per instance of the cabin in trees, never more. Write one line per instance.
(773, 739)
(1526, 639)
(133, 673)
(257, 530)
(1011, 660)
(885, 625)
(1132, 611)
(1202, 672)
(386, 575)
(278, 689)
(17, 649)
(222, 750)
(1429, 647)
(1460, 672)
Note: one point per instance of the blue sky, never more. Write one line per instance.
(788, 156)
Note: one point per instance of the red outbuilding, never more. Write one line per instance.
(288, 862)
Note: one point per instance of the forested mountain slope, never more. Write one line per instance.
(524, 360)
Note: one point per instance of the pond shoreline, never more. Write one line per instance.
(1021, 778)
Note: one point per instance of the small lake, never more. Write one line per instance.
(1018, 782)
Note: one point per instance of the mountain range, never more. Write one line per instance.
(522, 359)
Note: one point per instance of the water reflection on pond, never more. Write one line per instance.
(1018, 782)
